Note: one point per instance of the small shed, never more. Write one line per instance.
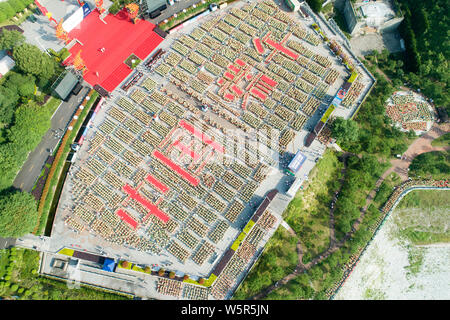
(64, 85)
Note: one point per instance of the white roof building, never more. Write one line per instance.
(6, 64)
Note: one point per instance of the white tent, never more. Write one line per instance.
(6, 64)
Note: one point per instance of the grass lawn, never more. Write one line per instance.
(442, 141)
(423, 215)
(21, 279)
(308, 215)
(53, 207)
(278, 260)
(19, 20)
(386, 188)
(309, 212)
(129, 62)
(431, 165)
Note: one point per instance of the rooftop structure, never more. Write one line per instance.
(6, 64)
(379, 16)
(64, 85)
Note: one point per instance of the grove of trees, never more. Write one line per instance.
(434, 165)
(425, 31)
(18, 213)
(30, 60)
(316, 5)
(10, 8)
(24, 119)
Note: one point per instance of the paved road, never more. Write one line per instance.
(6, 243)
(32, 168)
(177, 7)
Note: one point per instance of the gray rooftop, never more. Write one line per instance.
(66, 85)
(152, 5)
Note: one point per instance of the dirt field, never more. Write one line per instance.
(394, 268)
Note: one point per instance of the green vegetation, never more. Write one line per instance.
(385, 189)
(415, 259)
(55, 200)
(18, 213)
(316, 5)
(18, 271)
(118, 5)
(61, 55)
(58, 166)
(31, 122)
(30, 60)
(362, 174)
(129, 62)
(23, 117)
(376, 135)
(345, 131)
(317, 281)
(309, 212)
(10, 39)
(425, 199)
(425, 63)
(374, 294)
(422, 216)
(278, 260)
(442, 141)
(434, 165)
(190, 12)
(10, 8)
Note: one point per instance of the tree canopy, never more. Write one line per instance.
(10, 38)
(434, 165)
(316, 5)
(31, 60)
(18, 213)
(345, 131)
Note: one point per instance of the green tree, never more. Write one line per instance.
(8, 101)
(10, 38)
(6, 8)
(2, 16)
(434, 164)
(31, 60)
(316, 5)
(17, 5)
(345, 131)
(24, 84)
(18, 213)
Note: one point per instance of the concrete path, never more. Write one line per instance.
(6, 243)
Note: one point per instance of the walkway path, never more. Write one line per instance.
(419, 146)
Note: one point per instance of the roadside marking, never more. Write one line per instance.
(56, 110)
